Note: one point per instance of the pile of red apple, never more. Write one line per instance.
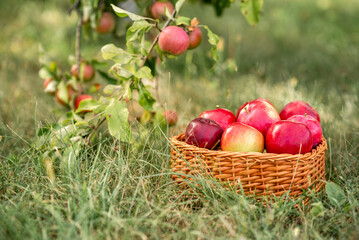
(258, 126)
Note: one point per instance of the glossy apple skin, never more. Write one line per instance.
(259, 113)
(312, 124)
(170, 117)
(173, 40)
(106, 23)
(203, 133)
(158, 9)
(88, 74)
(239, 137)
(195, 38)
(79, 99)
(289, 137)
(298, 108)
(222, 116)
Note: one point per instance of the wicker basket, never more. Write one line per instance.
(259, 174)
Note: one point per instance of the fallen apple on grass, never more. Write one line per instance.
(203, 133)
(173, 40)
(259, 113)
(239, 137)
(289, 137)
(298, 108)
(222, 116)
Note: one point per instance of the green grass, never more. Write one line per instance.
(299, 50)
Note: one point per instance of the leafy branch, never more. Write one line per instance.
(145, 58)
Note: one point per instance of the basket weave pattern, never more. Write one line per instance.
(262, 174)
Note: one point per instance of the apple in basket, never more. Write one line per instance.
(259, 113)
(222, 116)
(239, 137)
(289, 137)
(312, 124)
(298, 108)
(203, 133)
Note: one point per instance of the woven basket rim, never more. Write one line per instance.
(178, 141)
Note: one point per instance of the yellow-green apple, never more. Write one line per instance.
(195, 38)
(158, 9)
(289, 137)
(312, 124)
(173, 40)
(170, 117)
(87, 74)
(222, 116)
(203, 133)
(298, 108)
(259, 113)
(239, 137)
(79, 99)
(106, 23)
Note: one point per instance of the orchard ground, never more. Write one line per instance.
(299, 50)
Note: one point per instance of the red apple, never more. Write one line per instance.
(259, 113)
(88, 71)
(79, 99)
(46, 83)
(106, 23)
(170, 117)
(298, 108)
(158, 9)
(195, 38)
(239, 137)
(203, 133)
(222, 116)
(289, 137)
(312, 124)
(173, 40)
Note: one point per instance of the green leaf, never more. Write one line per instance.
(121, 72)
(318, 210)
(136, 28)
(144, 72)
(213, 39)
(335, 194)
(88, 105)
(118, 55)
(44, 73)
(109, 79)
(123, 13)
(179, 5)
(250, 9)
(145, 98)
(62, 92)
(183, 21)
(117, 120)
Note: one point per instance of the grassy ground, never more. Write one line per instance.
(300, 50)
